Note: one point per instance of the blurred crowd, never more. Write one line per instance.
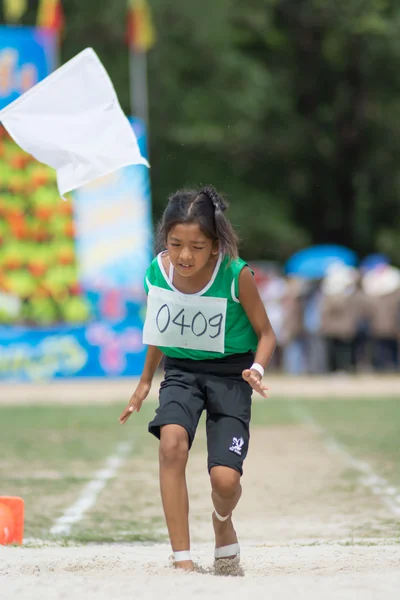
(347, 321)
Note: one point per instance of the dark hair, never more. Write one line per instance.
(205, 207)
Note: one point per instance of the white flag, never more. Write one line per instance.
(72, 121)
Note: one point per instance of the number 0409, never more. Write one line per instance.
(199, 325)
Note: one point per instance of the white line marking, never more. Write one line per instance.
(89, 494)
(380, 487)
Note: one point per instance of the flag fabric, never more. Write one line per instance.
(14, 10)
(141, 35)
(73, 122)
(51, 15)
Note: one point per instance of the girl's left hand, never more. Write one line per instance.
(254, 379)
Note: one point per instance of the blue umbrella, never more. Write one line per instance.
(374, 260)
(313, 262)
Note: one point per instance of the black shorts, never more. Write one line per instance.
(217, 386)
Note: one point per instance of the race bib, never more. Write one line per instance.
(185, 321)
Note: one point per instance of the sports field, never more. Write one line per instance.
(319, 517)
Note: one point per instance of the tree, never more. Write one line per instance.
(289, 107)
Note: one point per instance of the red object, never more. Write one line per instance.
(11, 520)
(140, 33)
(51, 15)
(75, 289)
(7, 525)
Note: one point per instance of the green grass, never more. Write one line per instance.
(48, 454)
(369, 429)
(272, 412)
(62, 433)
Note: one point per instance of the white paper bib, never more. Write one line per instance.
(185, 321)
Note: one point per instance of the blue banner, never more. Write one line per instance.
(27, 55)
(96, 350)
(114, 228)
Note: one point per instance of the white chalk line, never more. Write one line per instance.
(89, 494)
(380, 487)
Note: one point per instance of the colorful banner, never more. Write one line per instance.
(98, 349)
(114, 228)
(27, 55)
(113, 246)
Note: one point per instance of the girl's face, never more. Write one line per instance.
(189, 249)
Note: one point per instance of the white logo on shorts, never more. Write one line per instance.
(237, 445)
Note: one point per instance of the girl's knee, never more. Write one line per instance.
(225, 481)
(174, 445)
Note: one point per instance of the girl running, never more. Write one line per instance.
(205, 315)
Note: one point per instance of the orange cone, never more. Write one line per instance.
(11, 520)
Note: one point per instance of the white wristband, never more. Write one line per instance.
(258, 368)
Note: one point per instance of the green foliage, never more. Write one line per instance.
(290, 108)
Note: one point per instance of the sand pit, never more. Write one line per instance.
(120, 572)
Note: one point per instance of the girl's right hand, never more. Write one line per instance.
(136, 401)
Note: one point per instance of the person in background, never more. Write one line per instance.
(382, 288)
(361, 350)
(272, 292)
(292, 334)
(315, 342)
(339, 316)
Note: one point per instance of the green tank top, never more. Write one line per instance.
(240, 336)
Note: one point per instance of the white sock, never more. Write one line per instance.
(182, 555)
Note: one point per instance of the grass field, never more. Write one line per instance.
(49, 453)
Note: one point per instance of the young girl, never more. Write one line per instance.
(205, 315)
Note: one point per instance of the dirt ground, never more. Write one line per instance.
(307, 529)
(84, 391)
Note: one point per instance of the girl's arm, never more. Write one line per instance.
(151, 364)
(153, 359)
(254, 308)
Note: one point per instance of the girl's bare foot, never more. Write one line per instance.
(225, 534)
(185, 565)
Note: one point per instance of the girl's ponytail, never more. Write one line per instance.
(217, 200)
(227, 238)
